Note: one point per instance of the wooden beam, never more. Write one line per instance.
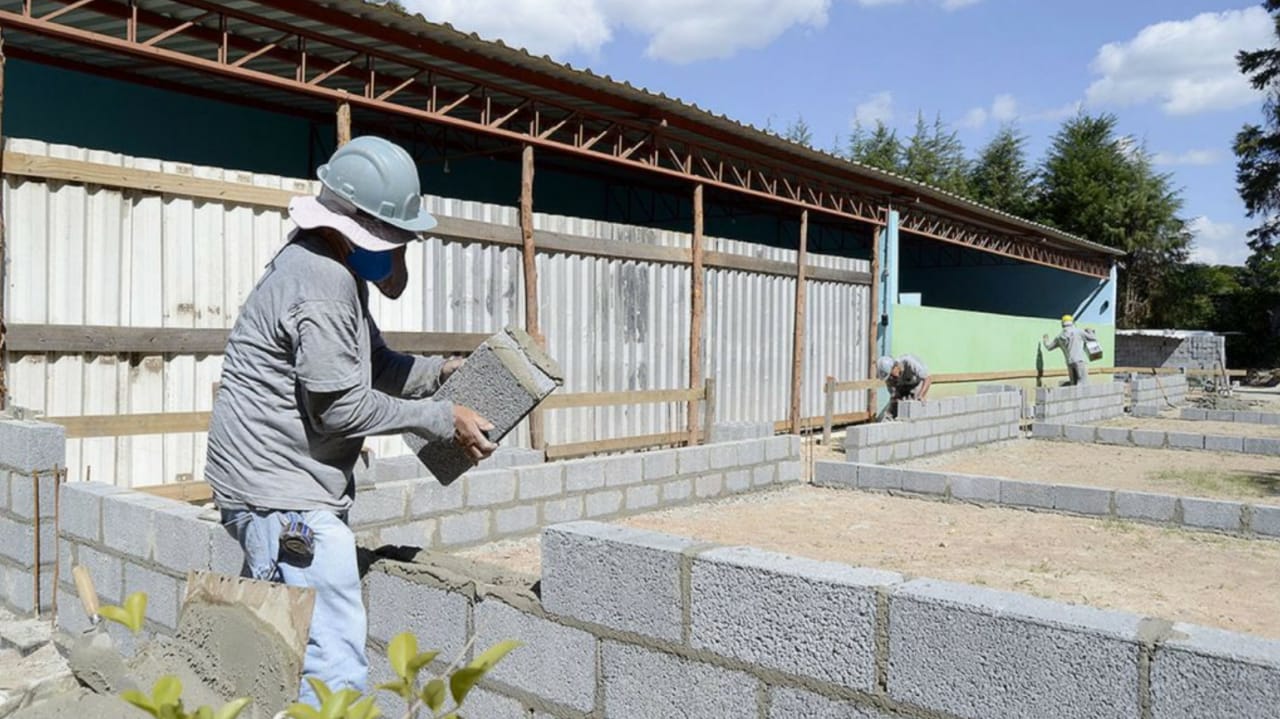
(174, 340)
(529, 257)
(127, 425)
(695, 313)
(344, 123)
(196, 492)
(797, 338)
(609, 399)
(873, 321)
(817, 422)
(582, 449)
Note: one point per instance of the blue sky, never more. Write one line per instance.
(1164, 67)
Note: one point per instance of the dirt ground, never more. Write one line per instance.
(1171, 424)
(1218, 475)
(1173, 574)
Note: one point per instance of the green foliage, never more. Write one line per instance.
(130, 615)
(1001, 177)
(880, 148)
(935, 156)
(1257, 147)
(799, 132)
(165, 702)
(407, 663)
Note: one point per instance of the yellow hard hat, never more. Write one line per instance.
(1067, 319)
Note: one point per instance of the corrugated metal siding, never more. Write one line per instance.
(94, 255)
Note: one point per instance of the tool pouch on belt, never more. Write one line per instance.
(298, 541)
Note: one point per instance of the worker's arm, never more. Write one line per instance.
(925, 384)
(399, 374)
(1050, 345)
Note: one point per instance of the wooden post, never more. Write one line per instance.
(527, 253)
(695, 318)
(829, 411)
(4, 260)
(344, 123)
(797, 339)
(708, 408)
(873, 328)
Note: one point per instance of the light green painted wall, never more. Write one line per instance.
(956, 341)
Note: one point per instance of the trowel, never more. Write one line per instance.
(93, 657)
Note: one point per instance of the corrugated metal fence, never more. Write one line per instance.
(98, 255)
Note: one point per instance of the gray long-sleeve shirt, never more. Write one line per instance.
(1071, 341)
(306, 376)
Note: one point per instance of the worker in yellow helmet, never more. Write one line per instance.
(1071, 341)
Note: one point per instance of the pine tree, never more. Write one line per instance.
(880, 149)
(1257, 147)
(1000, 177)
(935, 156)
(799, 132)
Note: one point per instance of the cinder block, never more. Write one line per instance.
(1146, 506)
(724, 456)
(815, 619)
(600, 504)
(379, 504)
(1223, 444)
(1202, 672)
(972, 488)
(642, 497)
(21, 589)
(128, 523)
(1114, 435)
(486, 489)
(163, 592)
(556, 663)
(777, 448)
(931, 445)
(1093, 501)
(22, 494)
(789, 703)
(692, 460)
(106, 571)
(1080, 433)
(536, 482)
(623, 471)
(569, 509)
(1185, 440)
(1261, 445)
(1148, 438)
(1265, 520)
(709, 485)
(28, 446)
(503, 380)
(420, 533)
(1220, 415)
(921, 482)
(400, 604)
(619, 577)
(1026, 494)
(875, 477)
(1145, 410)
(225, 554)
(659, 464)
(790, 471)
(1212, 514)
(761, 475)
(1026, 645)
(751, 452)
(1269, 418)
(466, 528)
(515, 520)
(641, 682)
(80, 509)
(183, 538)
(679, 490)
(491, 705)
(396, 469)
(584, 475)
(739, 480)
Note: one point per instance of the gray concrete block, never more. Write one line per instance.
(879, 478)
(1145, 410)
(739, 480)
(1247, 417)
(183, 538)
(751, 452)
(679, 490)
(128, 523)
(225, 554)
(515, 520)
(1080, 433)
(28, 446)
(790, 471)
(922, 482)
(777, 448)
(380, 504)
(22, 494)
(1185, 440)
(1028, 657)
(1017, 493)
(1215, 443)
(724, 456)
(1212, 514)
(621, 578)
(569, 509)
(814, 619)
(623, 471)
(602, 504)
(467, 528)
(395, 469)
(972, 488)
(546, 480)
(708, 485)
(427, 497)
(1203, 672)
(511, 457)
(1094, 501)
(80, 508)
(692, 460)
(1046, 430)
(419, 533)
(163, 593)
(1220, 415)
(503, 380)
(1269, 418)
(1265, 520)
(399, 604)
(556, 663)
(641, 682)
(761, 475)
(1262, 445)
(1114, 435)
(659, 464)
(1194, 414)
(584, 475)
(789, 703)
(1148, 438)
(21, 590)
(490, 705)
(1146, 506)
(642, 497)
(106, 571)
(486, 489)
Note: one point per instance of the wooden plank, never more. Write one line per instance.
(343, 124)
(708, 407)
(195, 492)
(873, 320)
(695, 314)
(609, 399)
(797, 338)
(858, 384)
(817, 422)
(100, 339)
(124, 425)
(742, 263)
(529, 262)
(829, 407)
(582, 449)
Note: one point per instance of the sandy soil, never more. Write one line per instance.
(1218, 475)
(1177, 575)
(1172, 424)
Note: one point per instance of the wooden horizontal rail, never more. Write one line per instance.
(183, 184)
(193, 491)
(860, 384)
(817, 422)
(963, 378)
(125, 425)
(607, 399)
(582, 449)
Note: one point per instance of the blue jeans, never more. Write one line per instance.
(336, 645)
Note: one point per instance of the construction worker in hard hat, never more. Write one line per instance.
(906, 377)
(1071, 342)
(306, 376)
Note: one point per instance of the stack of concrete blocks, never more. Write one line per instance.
(1026, 407)
(1196, 414)
(1156, 439)
(1198, 351)
(31, 456)
(1151, 395)
(738, 431)
(639, 624)
(1254, 521)
(1080, 404)
(933, 426)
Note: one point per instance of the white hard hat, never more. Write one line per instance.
(885, 365)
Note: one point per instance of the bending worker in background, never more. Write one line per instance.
(1071, 341)
(306, 377)
(906, 378)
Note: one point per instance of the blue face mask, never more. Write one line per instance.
(371, 266)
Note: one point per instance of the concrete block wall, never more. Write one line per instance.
(738, 431)
(1192, 352)
(638, 624)
(1080, 404)
(1156, 392)
(1196, 414)
(1155, 439)
(31, 457)
(934, 426)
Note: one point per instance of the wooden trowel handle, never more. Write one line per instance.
(84, 587)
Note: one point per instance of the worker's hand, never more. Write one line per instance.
(469, 433)
(1044, 338)
(450, 366)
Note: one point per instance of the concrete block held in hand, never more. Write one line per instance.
(503, 380)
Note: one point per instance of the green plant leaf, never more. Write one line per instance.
(172, 711)
(335, 707)
(402, 649)
(167, 690)
(302, 711)
(232, 709)
(203, 713)
(417, 663)
(463, 680)
(140, 700)
(322, 690)
(130, 615)
(399, 687)
(433, 695)
(364, 709)
(494, 654)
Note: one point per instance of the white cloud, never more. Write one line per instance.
(1004, 108)
(946, 4)
(1207, 156)
(875, 109)
(1054, 114)
(541, 27)
(1188, 66)
(1217, 243)
(957, 4)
